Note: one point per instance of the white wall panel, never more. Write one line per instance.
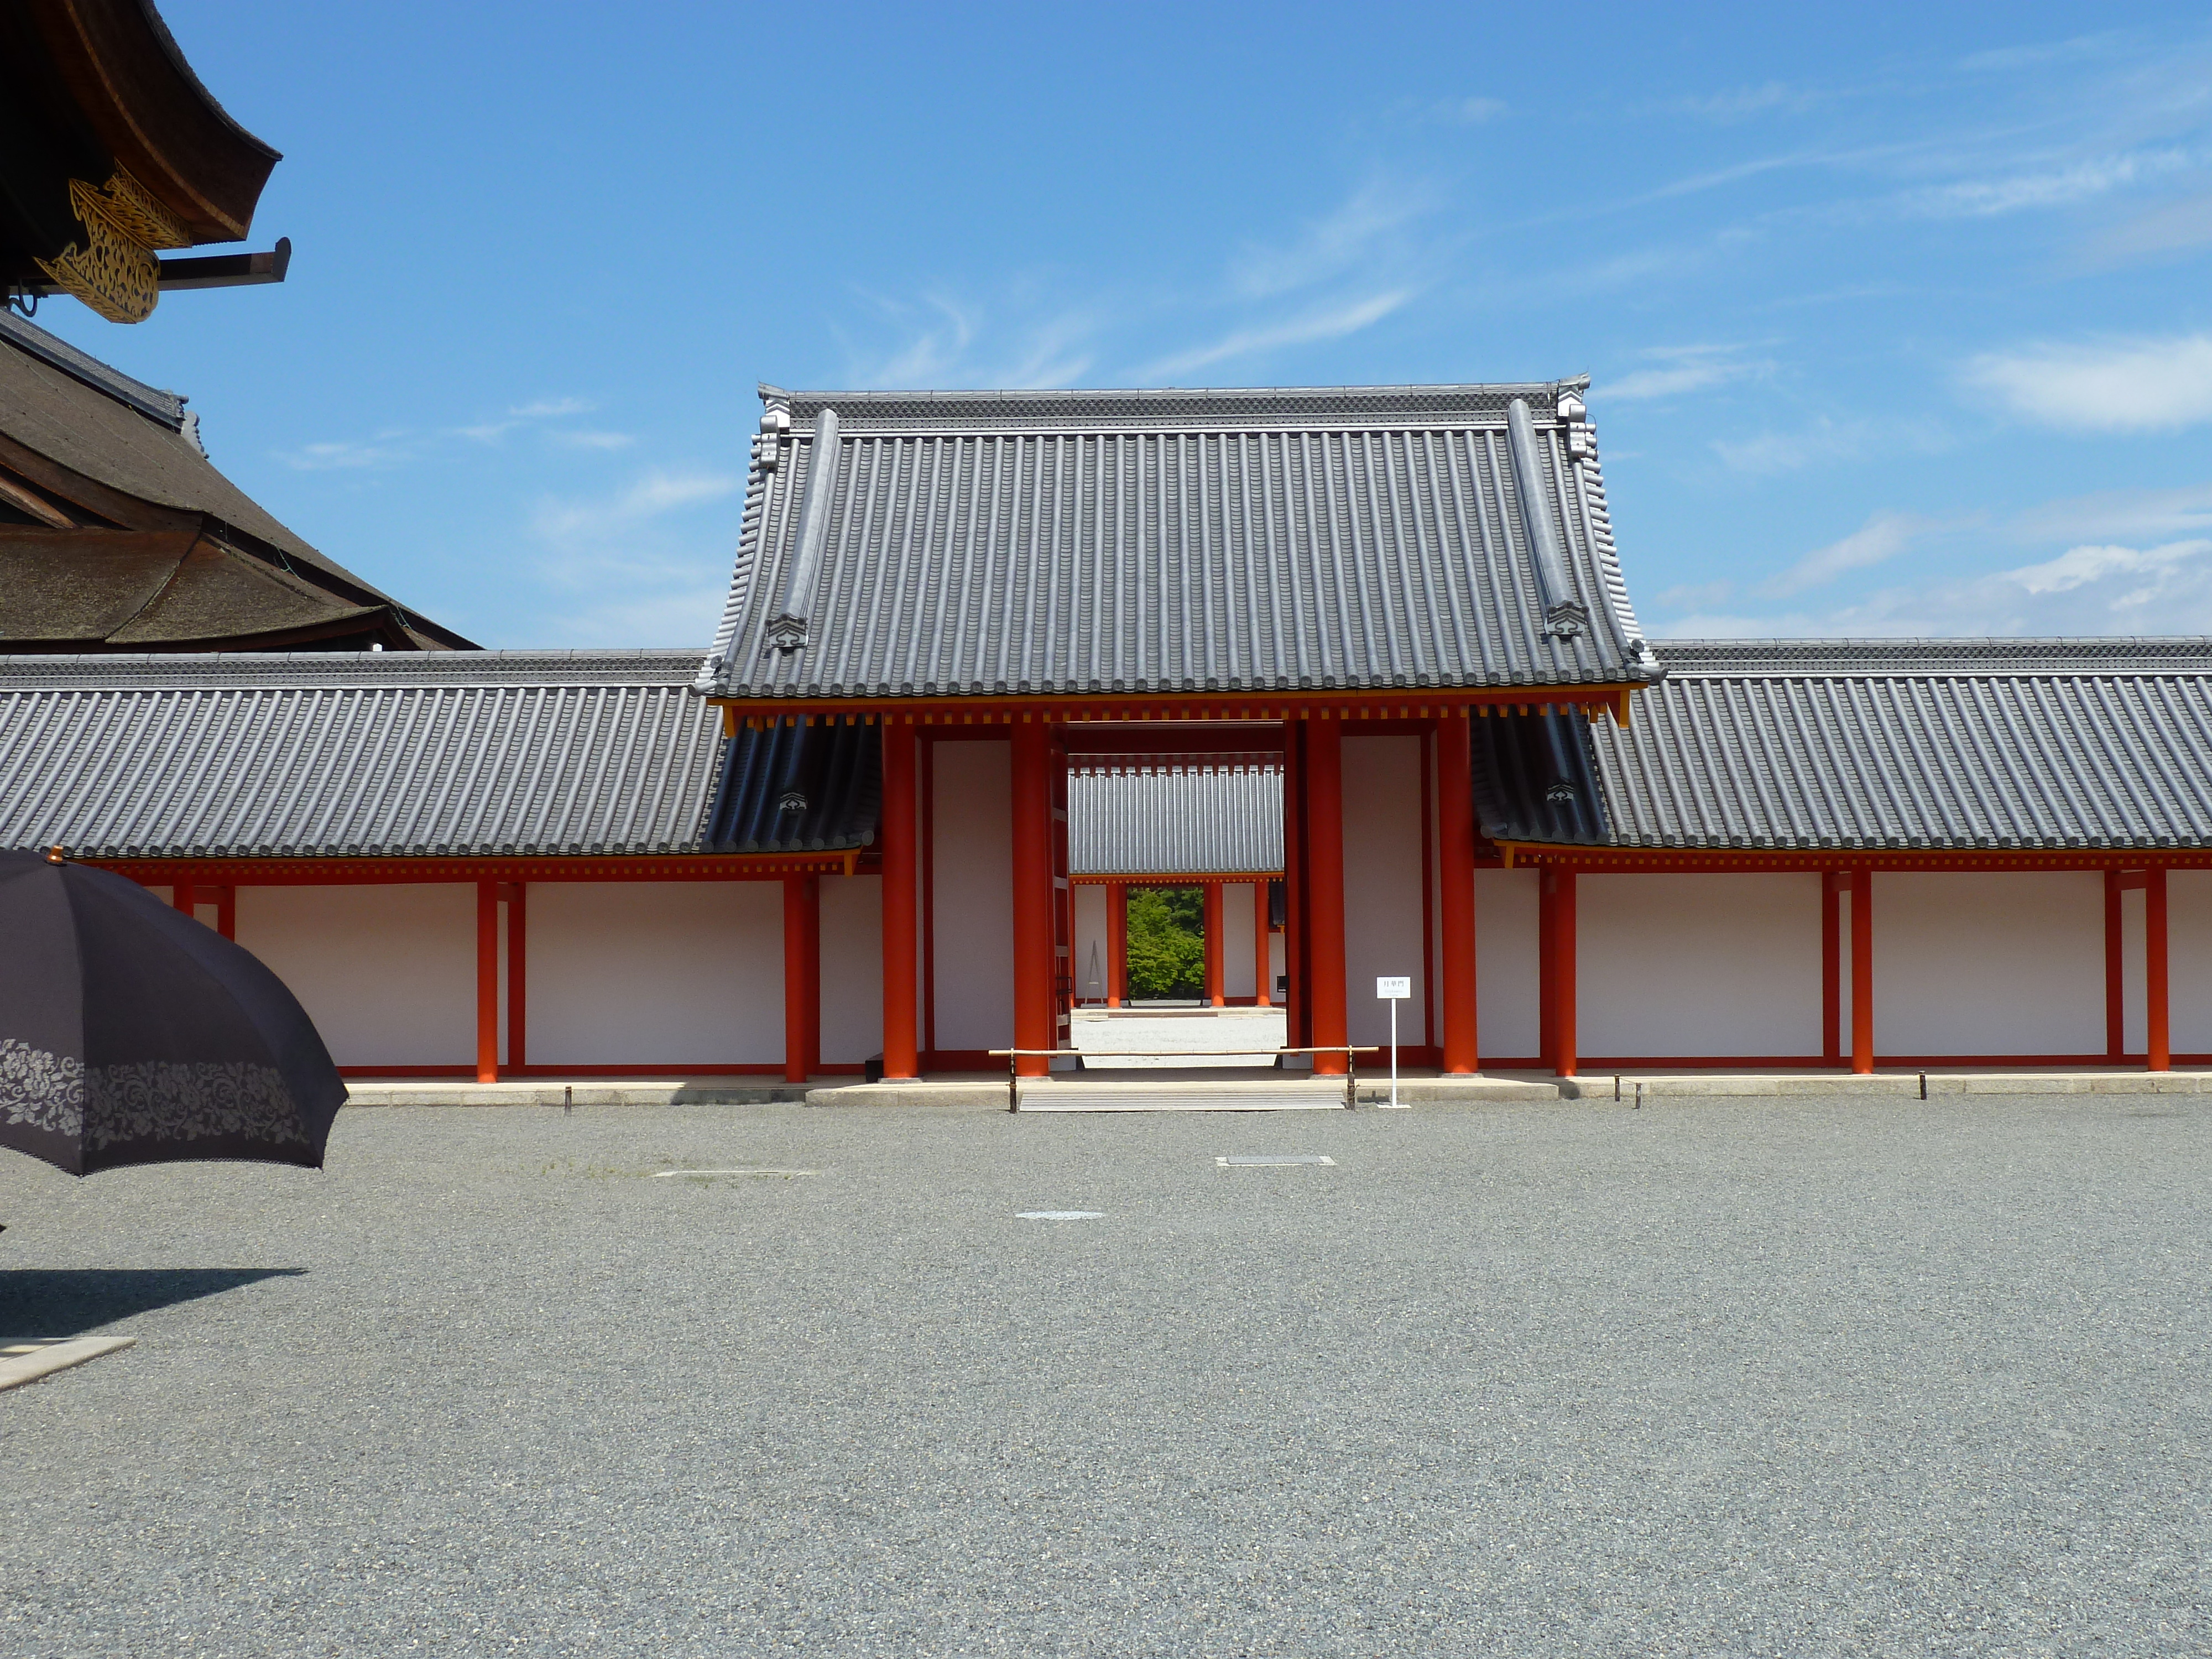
(2007, 962)
(2188, 963)
(851, 968)
(1092, 956)
(1507, 1012)
(1727, 966)
(972, 906)
(654, 973)
(388, 974)
(1238, 943)
(1382, 882)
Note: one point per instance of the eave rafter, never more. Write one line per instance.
(1607, 860)
(1594, 702)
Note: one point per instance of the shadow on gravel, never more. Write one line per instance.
(54, 1302)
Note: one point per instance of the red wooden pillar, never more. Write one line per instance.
(1297, 1017)
(226, 912)
(2160, 1057)
(518, 961)
(802, 977)
(1832, 965)
(1323, 777)
(1455, 887)
(2116, 1004)
(183, 896)
(1263, 962)
(1117, 939)
(1563, 971)
(1034, 897)
(487, 981)
(900, 1058)
(1861, 880)
(1216, 976)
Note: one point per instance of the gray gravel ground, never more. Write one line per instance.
(1749, 1378)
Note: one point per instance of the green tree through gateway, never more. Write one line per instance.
(1166, 955)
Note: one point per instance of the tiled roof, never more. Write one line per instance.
(798, 786)
(1912, 744)
(356, 754)
(1174, 820)
(993, 543)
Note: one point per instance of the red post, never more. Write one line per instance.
(802, 976)
(2161, 1055)
(1563, 966)
(226, 912)
(1215, 966)
(1456, 887)
(2116, 1003)
(1262, 958)
(1034, 896)
(1861, 880)
(1117, 939)
(1831, 966)
(184, 897)
(487, 981)
(900, 1059)
(1324, 778)
(518, 961)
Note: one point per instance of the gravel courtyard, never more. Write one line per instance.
(1748, 1378)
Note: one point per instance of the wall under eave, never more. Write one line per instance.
(1689, 966)
(1238, 967)
(851, 968)
(1506, 953)
(651, 973)
(388, 974)
(1091, 954)
(2006, 962)
(1383, 884)
(972, 918)
(2188, 963)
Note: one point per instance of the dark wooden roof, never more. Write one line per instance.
(116, 533)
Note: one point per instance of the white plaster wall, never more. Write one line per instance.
(1693, 965)
(851, 968)
(1382, 883)
(1091, 957)
(1508, 1015)
(1278, 965)
(1237, 941)
(655, 973)
(388, 974)
(2188, 963)
(2135, 1000)
(2010, 962)
(972, 906)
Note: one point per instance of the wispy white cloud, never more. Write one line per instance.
(546, 409)
(2047, 187)
(2110, 589)
(2178, 227)
(1329, 323)
(648, 496)
(1770, 452)
(1881, 538)
(1741, 103)
(2122, 386)
(342, 455)
(1674, 370)
(595, 440)
(2119, 515)
(2002, 59)
(1363, 228)
(1473, 111)
(945, 340)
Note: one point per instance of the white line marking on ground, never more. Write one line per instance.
(1269, 1161)
(1061, 1215)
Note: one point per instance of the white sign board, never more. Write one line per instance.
(1389, 990)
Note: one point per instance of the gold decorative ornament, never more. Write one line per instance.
(116, 273)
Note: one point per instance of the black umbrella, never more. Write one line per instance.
(131, 1034)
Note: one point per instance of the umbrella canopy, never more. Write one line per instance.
(131, 1034)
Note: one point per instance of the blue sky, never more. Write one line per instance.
(1899, 318)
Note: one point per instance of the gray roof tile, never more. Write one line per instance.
(352, 754)
(1174, 820)
(1911, 744)
(1146, 542)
